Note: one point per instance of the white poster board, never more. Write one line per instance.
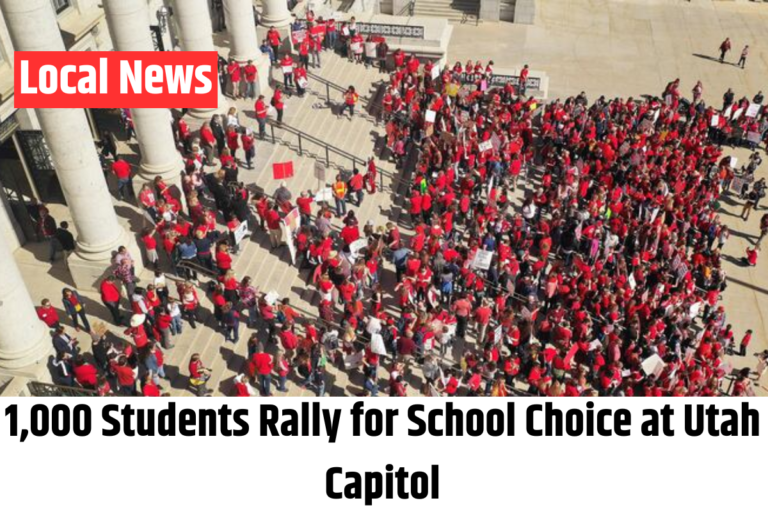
(485, 146)
(241, 232)
(753, 110)
(482, 259)
(324, 196)
(654, 365)
(435, 72)
(430, 116)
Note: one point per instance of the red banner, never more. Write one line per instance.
(115, 79)
(281, 171)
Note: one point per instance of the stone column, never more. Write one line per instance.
(128, 22)
(241, 26)
(196, 35)
(33, 27)
(24, 339)
(275, 13)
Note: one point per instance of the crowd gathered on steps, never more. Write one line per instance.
(605, 280)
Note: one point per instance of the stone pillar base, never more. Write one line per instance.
(31, 359)
(87, 271)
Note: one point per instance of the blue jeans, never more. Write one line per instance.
(177, 325)
(265, 381)
(341, 206)
(281, 383)
(122, 186)
(250, 90)
(158, 374)
(233, 332)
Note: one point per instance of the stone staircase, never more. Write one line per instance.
(270, 270)
(459, 11)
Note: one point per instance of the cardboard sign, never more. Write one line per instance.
(370, 50)
(435, 72)
(319, 170)
(485, 146)
(287, 70)
(299, 35)
(281, 171)
(302, 82)
(430, 116)
(482, 259)
(715, 121)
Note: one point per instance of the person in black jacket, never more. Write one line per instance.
(62, 241)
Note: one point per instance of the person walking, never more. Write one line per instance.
(277, 103)
(75, 308)
(725, 47)
(62, 241)
(743, 58)
(122, 171)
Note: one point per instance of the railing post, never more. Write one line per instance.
(327, 156)
(300, 153)
(328, 93)
(272, 129)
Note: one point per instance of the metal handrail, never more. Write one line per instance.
(328, 149)
(47, 389)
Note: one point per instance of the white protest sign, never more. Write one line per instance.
(482, 259)
(357, 246)
(737, 114)
(715, 121)
(241, 232)
(753, 110)
(435, 72)
(430, 116)
(324, 196)
(654, 365)
(485, 146)
(377, 345)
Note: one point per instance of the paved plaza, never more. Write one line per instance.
(602, 47)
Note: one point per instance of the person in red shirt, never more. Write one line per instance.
(251, 75)
(149, 388)
(300, 77)
(273, 36)
(277, 103)
(249, 147)
(110, 295)
(233, 71)
(125, 376)
(304, 203)
(198, 375)
(745, 343)
(273, 225)
(261, 116)
(85, 373)
(356, 186)
(48, 314)
(122, 171)
(286, 64)
(522, 85)
(262, 365)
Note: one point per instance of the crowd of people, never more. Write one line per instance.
(605, 279)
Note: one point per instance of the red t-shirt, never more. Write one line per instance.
(121, 169)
